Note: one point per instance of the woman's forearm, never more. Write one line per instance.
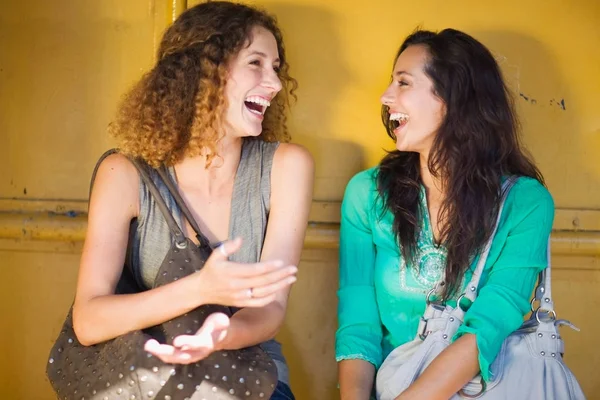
(448, 372)
(105, 317)
(356, 379)
(251, 326)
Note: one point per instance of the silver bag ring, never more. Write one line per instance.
(428, 298)
(531, 304)
(551, 312)
(477, 395)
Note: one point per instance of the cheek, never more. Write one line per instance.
(438, 113)
(238, 82)
(230, 90)
(430, 110)
(414, 103)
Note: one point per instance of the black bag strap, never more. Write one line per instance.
(162, 172)
(102, 157)
(180, 239)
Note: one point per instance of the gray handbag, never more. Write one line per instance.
(528, 366)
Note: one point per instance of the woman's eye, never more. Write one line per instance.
(277, 68)
(255, 62)
(402, 83)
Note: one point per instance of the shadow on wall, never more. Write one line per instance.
(313, 48)
(314, 51)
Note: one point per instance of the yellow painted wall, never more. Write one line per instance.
(342, 53)
(63, 65)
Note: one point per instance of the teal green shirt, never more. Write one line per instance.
(381, 298)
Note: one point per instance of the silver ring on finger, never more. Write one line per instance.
(223, 251)
(250, 293)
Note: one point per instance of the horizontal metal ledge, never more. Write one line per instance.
(58, 206)
(324, 212)
(71, 227)
(43, 226)
(565, 219)
(562, 242)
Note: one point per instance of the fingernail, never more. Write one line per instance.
(149, 344)
(292, 280)
(293, 269)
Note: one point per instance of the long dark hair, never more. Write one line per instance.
(477, 143)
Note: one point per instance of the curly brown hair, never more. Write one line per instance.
(177, 108)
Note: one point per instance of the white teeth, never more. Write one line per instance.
(264, 103)
(398, 117)
(259, 100)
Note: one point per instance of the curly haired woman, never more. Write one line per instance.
(212, 111)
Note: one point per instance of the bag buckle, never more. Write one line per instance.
(477, 395)
(422, 332)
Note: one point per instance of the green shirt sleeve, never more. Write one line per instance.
(503, 300)
(359, 332)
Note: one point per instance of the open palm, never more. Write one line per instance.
(187, 349)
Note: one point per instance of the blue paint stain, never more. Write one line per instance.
(70, 213)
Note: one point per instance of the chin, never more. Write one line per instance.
(247, 131)
(407, 145)
(253, 131)
(408, 149)
(251, 134)
(403, 147)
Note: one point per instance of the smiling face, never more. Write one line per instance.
(415, 111)
(252, 83)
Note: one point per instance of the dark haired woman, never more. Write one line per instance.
(419, 219)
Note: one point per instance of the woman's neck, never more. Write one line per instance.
(192, 172)
(433, 184)
(434, 192)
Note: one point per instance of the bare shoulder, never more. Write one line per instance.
(293, 157)
(292, 176)
(116, 183)
(119, 165)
